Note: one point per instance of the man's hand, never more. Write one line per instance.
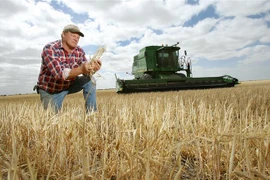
(87, 68)
(96, 64)
(91, 68)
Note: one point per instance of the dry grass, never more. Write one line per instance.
(199, 134)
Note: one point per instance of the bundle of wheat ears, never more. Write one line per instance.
(96, 57)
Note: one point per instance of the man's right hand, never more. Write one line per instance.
(84, 69)
(87, 69)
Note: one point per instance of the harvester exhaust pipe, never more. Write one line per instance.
(175, 44)
(168, 46)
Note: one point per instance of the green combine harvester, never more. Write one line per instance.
(158, 68)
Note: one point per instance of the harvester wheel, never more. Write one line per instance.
(146, 76)
(182, 75)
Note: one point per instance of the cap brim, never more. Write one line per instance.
(75, 31)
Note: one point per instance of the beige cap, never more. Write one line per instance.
(73, 28)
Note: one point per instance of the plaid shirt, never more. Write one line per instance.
(55, 62)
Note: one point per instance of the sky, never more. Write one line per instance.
(220, 36)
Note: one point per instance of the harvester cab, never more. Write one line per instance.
(160, 68)
(159, 62)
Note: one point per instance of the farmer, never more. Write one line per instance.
(62, 63)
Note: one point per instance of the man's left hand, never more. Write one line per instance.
(96, 64)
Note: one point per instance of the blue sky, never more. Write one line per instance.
(220, 36)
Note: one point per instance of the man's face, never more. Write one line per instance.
(71, 39)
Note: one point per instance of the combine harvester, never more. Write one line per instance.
(157, 68)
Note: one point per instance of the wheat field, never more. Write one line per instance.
(192, 134)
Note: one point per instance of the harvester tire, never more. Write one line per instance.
(182, 75)
(146, 76)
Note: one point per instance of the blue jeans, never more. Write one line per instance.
(81, 83)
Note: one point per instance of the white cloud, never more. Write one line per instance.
(255, 55)
(227, 36)
(242, 8)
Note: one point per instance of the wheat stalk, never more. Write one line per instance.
(96, 57)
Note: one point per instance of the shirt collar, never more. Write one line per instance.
(60, 44)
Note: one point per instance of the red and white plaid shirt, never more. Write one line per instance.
(56, 63)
